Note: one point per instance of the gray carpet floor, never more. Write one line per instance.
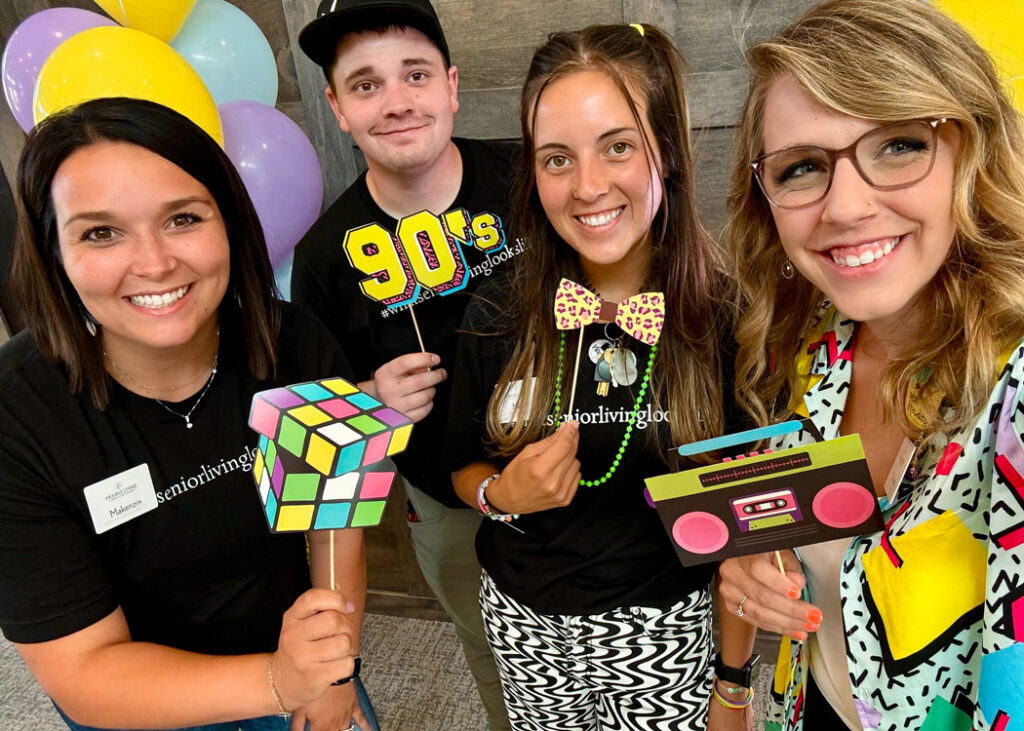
(413, 669)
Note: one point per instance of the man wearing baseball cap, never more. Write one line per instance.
(395, 259)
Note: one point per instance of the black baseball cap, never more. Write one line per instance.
(335, 18)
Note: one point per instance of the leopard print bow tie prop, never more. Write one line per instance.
(641, 316)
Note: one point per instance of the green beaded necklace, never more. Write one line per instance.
(629, 424)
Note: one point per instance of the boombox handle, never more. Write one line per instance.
(751, 436)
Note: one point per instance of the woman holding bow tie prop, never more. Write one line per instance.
(576, 376)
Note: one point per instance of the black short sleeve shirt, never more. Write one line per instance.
(199, 572)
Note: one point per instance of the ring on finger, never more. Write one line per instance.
(739, 607)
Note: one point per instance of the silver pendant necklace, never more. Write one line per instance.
(188, 416)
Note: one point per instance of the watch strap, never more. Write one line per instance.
(353, 676)
(740, 676)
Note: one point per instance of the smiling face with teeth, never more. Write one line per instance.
(872, 252)
(144, 245)
(598, 188)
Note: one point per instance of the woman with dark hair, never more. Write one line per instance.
(593, 621)
(138, 579)
(878, 235)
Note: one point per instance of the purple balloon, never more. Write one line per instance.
(280, 170)
(30, 45)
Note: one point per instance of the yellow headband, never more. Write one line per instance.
(639, 28)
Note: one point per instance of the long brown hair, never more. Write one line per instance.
(890, 60)
(684, 261)
(48, 301)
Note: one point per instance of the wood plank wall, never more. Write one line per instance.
(491, 43)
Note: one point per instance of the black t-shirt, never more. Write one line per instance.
(607, 548)
(201, 571)
(372, 334)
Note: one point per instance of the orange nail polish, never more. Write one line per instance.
(814, 615)
(812, 626)
(802, 636)
(793, 593)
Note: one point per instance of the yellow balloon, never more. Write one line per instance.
(998, 26)
(113, 61)
(161, 18)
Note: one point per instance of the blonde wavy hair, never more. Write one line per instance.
(886, 61)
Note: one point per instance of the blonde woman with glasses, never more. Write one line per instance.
(878, 238)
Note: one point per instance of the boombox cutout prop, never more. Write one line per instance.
(763, 500)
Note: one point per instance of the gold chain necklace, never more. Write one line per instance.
(186, 416)
(121, 372)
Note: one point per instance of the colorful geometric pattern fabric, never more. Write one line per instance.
(320, 460)
(641, 316)
(635, 668)
(933, 606)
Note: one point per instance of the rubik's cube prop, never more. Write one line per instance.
(320, 446)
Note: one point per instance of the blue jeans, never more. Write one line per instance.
(264, 723)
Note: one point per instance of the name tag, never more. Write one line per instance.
(510, 400)
(120, 498)
(899, 468)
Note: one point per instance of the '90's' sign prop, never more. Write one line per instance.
(425, 251)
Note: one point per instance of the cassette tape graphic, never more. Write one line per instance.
(766, 509)
(763, 500)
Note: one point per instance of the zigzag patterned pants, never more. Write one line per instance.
(631, 669)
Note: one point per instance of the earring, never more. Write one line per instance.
(788, 270)
(88, 320)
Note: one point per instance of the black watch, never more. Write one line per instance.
(353, 676)
(740, 676)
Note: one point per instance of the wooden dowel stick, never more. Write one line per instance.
(333, 585)
(778, 560)
(575, 373)
(417, 326)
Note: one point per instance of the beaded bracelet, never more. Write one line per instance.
(731, 705)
